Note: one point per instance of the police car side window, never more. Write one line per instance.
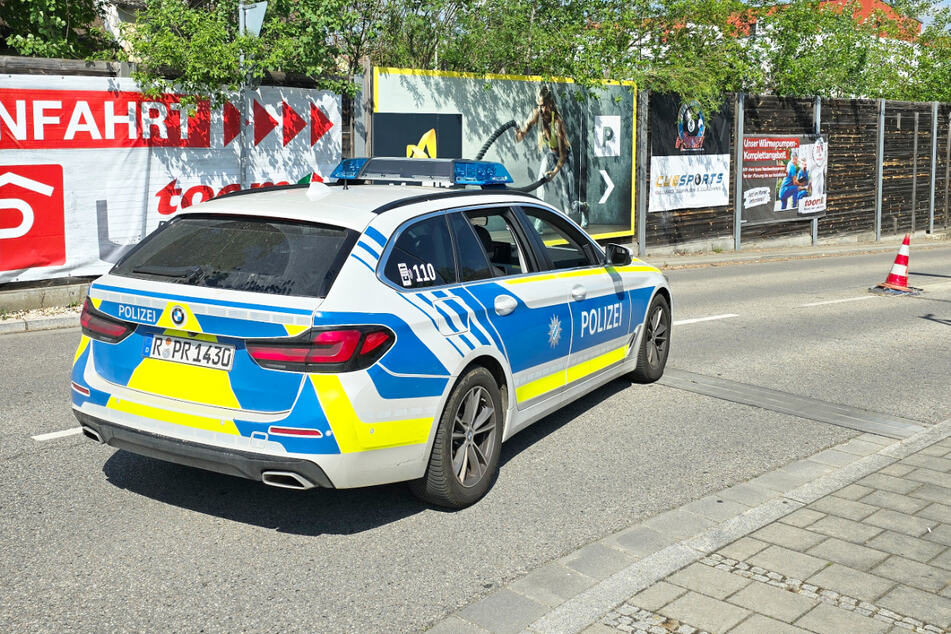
(473, 264)
(494, 229)
(564, 248)
(422, 255)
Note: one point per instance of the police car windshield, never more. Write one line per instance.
(260, 255)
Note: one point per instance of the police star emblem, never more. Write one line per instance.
(554, 331)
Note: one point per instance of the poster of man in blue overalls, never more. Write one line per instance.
(784, 178)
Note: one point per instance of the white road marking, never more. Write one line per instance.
(697, 320)
(837, 301)
(58, 434)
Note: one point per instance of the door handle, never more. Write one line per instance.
(578, 292)
(504, 304)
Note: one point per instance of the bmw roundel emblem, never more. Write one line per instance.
(178, 315)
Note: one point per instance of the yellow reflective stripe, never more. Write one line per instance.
(186, 335)
(177, 418)
(293, 329)
(532, 278)
(353, 434)
(83, 344)
(540, 386)
(600, 362)
(633, 268)
(546, 384)
(184, 382)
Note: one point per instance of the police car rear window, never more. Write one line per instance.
(259, 255)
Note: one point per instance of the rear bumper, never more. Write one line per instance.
(230, 461)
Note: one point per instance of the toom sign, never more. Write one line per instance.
(89, 166)
(31, 216)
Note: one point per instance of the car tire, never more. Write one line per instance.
(655, 342)
(465, 455)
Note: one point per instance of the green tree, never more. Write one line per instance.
(55, 28)
(199, 50)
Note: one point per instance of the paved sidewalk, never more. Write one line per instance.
(856, 538)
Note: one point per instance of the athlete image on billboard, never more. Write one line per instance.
(555, 147)
(569, 145)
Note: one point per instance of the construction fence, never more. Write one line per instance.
(89, 165)
(887, 173)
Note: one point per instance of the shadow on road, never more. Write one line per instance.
(927, 274)
(314, 512)
(937, 320)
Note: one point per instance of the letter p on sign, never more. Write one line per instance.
(32, 218)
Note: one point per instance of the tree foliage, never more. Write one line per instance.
(54, 28)
(698, 47)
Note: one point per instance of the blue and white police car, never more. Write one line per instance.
(375, 330)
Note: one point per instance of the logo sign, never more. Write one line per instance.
(819, 152)
(414, 135)
(32, 225)
(607, 135)
(178, 316)
(691, 127)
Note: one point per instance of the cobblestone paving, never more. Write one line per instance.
(874, 556)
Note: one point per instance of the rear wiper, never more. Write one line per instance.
(168, 271)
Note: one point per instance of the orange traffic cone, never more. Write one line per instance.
(897, 279)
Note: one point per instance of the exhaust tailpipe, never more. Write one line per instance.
(89, 432)
(286, 480)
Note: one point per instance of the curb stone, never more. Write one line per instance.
(39, 323)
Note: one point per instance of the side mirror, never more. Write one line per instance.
(617, 255)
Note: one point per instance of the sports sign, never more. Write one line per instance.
(784, 177)
(690, 154)
(89, 166)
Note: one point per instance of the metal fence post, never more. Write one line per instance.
(643, 112)
(738, 172)
(934, 163)
(817, 108)
(947, 165)
(914, 173)
(879, 169)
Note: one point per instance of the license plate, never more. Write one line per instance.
(192, 352)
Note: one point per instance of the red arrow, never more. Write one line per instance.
(232, 122)
(263, 122)
(293, 123)
(319, 123)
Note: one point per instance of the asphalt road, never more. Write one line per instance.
(98, 539)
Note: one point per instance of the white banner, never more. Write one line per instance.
(693, 180)
(89, 166)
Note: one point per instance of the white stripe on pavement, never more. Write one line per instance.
(58, 434)
(697, 320)
(837, 301)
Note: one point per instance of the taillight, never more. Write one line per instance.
(101, 326)
(323, 350)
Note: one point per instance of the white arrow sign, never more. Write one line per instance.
(609, 183)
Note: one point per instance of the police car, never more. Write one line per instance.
(361, 333)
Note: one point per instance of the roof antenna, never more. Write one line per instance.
(317, 190)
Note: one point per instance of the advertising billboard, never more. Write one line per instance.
(570, 146)
(690, 154)
(90, 165)
(784, 177)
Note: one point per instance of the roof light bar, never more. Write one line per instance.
(349, 169)
(438, 171)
